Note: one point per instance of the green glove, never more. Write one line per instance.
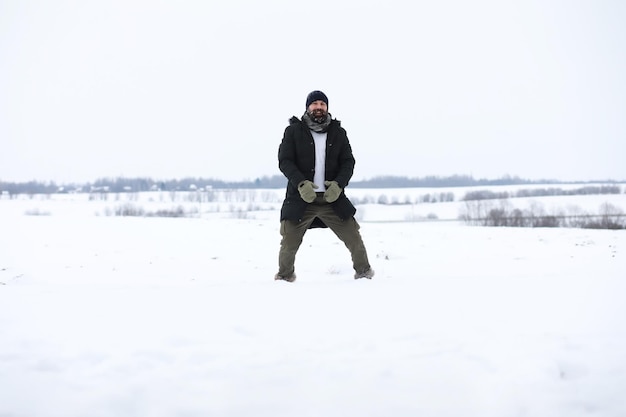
(333, 191)
(307, 191)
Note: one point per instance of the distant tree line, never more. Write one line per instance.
(541, 192)
(439, 182)
(121, 184)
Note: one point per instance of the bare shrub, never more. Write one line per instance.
(497, 217)
(178, 211)
(132, 210)
(476, 211)
(128, 209)
(36, 212)
(485, 195)
(239, 214)
(576, 217)
(517, 219)
(480, 213)
(611, 217)
(545, 221)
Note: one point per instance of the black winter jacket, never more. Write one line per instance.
(296, 159)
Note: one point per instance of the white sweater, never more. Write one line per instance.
(320, 160)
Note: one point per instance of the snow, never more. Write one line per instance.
(146, 316)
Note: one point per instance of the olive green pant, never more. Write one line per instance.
(346, 230)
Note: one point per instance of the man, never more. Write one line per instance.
(316, 157)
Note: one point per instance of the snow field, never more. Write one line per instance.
(130, 316)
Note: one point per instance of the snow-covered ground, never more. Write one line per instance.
(146, 316)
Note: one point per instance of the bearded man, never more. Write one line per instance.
(316, 157)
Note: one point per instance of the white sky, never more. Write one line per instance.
(92, 89)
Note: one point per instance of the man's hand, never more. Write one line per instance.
(307, 191)
(333, 191)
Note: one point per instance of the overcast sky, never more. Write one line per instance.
(171, 89)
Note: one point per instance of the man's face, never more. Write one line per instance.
(318, 110)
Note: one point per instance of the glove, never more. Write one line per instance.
(333, 191)
(307, 191)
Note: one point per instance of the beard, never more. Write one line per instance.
(318, 115)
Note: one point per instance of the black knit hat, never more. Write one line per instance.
(314, 96)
